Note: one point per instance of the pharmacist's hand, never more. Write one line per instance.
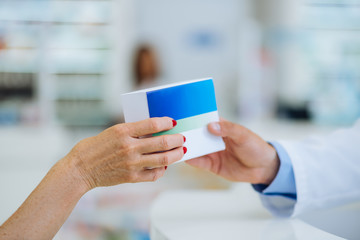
(247, 157)
(119, 154)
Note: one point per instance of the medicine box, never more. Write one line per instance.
(192, 104)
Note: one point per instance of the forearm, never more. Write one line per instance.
(115, 156)
(48, 206)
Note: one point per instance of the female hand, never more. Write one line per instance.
(121, 154)
(247, 157)
(117, 155)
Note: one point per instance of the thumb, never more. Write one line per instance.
(223, 128)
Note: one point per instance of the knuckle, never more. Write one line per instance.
(165, 142)
(165, 160)
(127, 165)
(133, 177)
(136, 162)
(80, 145)
(128, 150)
(131, 167)
(119, 129)
(155, 125)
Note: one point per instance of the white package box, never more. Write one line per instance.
(192, 104)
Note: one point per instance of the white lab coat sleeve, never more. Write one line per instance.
(278, 205)
(326, 170)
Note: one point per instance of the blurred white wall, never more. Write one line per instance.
(194, 39)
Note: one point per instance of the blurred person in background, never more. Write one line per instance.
(117, 155)
(292, 177)
(146, 67)
(2, 44)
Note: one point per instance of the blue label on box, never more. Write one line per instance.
(183, 101)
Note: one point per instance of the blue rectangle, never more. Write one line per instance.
(183, 101)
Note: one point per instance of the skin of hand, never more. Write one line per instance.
(119, 154)
(247, 157)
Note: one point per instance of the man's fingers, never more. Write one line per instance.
(223, 128)
(200, 162)
(161, 143)
(227, 129)
(203, 162)
(215, 128)
(163, 159)
(150, 126)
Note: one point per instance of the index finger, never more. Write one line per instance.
(151, 126)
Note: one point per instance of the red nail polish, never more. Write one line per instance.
(174, 123)
(165, 167)
(185, 149)
(184, 138)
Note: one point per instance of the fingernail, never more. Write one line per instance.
(174, 123)
(184, 138)
(165, 167)
(216, 127)
(185, 149)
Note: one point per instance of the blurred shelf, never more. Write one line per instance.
(330, 29)
(94, 72)
(60, 0)
(16, 72)
(82, 49)
(17, 85)
(56, 12)
(36, 22)
(332, 2)
(333, 5)
(78, 99)
(78, 74)
(81, 112)
(67, 43)
(14, 50)
(26, 48)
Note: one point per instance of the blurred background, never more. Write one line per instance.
(283, 68)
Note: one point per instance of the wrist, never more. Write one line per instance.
(69, 168)
(272, 168)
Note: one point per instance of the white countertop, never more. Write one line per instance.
(196, 215)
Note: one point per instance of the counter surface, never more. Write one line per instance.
(196, 215)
